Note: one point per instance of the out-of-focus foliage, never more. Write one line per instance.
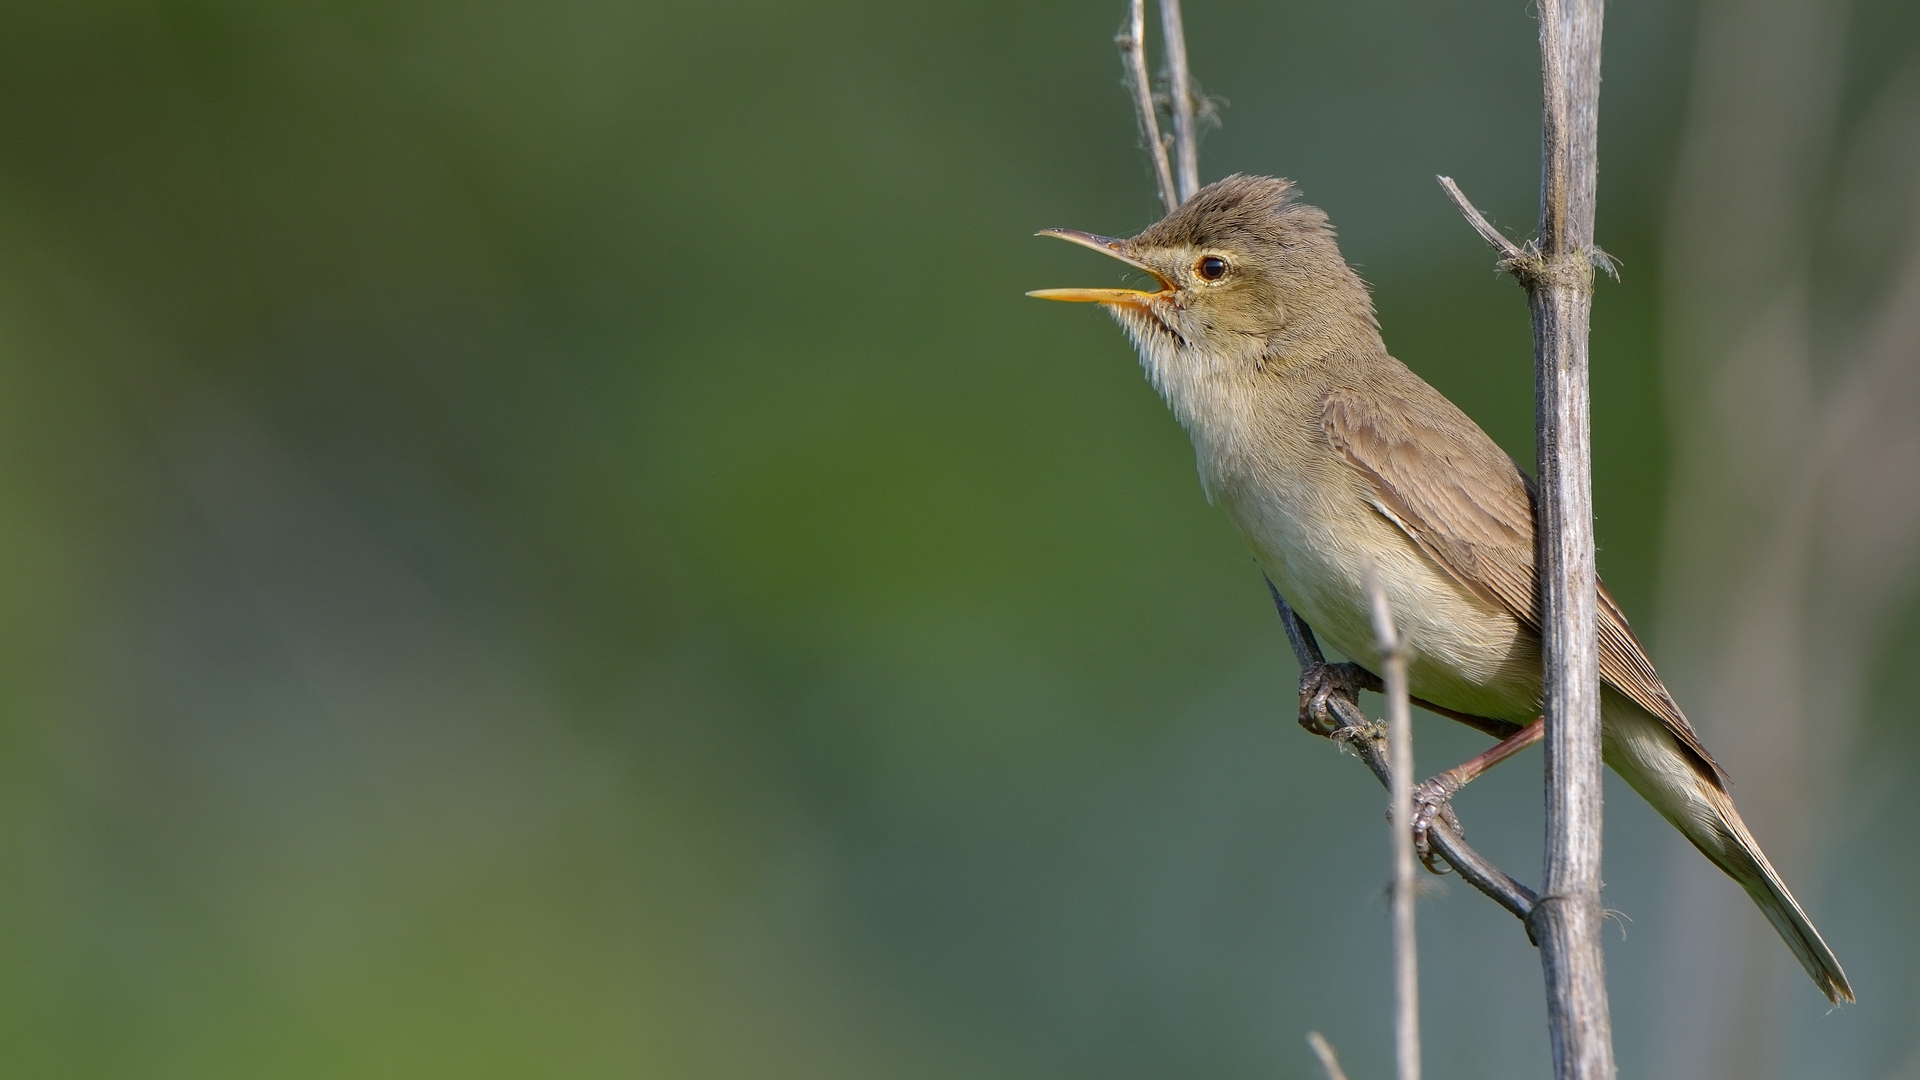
(544, 540)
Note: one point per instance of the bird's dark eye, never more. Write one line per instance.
(1211, 268)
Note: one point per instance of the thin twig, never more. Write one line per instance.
(1509, 251)
(1322, 1049)
(1406, 954)
(1363, 736)
(1186, 137)
(1133, 54)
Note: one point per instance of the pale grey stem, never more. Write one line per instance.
(1322, 1049)
(1508, 250)
(1406, 953)
(1133, 54)
(1566, 922)
(1186, 137)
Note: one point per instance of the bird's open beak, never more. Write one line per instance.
(1105, 245)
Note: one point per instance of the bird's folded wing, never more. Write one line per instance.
(1438, 477)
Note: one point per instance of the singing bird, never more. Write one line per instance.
(1336, 461)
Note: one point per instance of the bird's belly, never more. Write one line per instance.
(1468, 653)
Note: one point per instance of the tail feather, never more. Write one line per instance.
(1740, 856)
(1652, 762)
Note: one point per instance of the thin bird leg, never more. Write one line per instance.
(1499, 729)
(1321, 683)
(1432, 798)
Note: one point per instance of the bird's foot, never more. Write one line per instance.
(1432, 801)
(1321, 683)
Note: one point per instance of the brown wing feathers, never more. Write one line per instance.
(1625, 667)
(1467, 505)
(1453, 502)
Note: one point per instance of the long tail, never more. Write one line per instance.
(1650, 760)
(1740, 856)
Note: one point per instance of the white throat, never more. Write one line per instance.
(1209, 392)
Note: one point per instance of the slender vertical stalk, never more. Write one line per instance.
(1406, 953)
(1186, 137)
(1566, 922)
(1133, 54)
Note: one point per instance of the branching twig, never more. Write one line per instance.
(1133, 54)
(1406, 955)
(1186, 137)
(1509, 251)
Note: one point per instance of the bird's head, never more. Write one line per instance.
(1247, 278)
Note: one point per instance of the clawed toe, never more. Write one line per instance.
(1430, 802)
(1322, 682)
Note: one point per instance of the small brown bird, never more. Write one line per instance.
(1334, 459)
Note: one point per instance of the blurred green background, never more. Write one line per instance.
(544, 540)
